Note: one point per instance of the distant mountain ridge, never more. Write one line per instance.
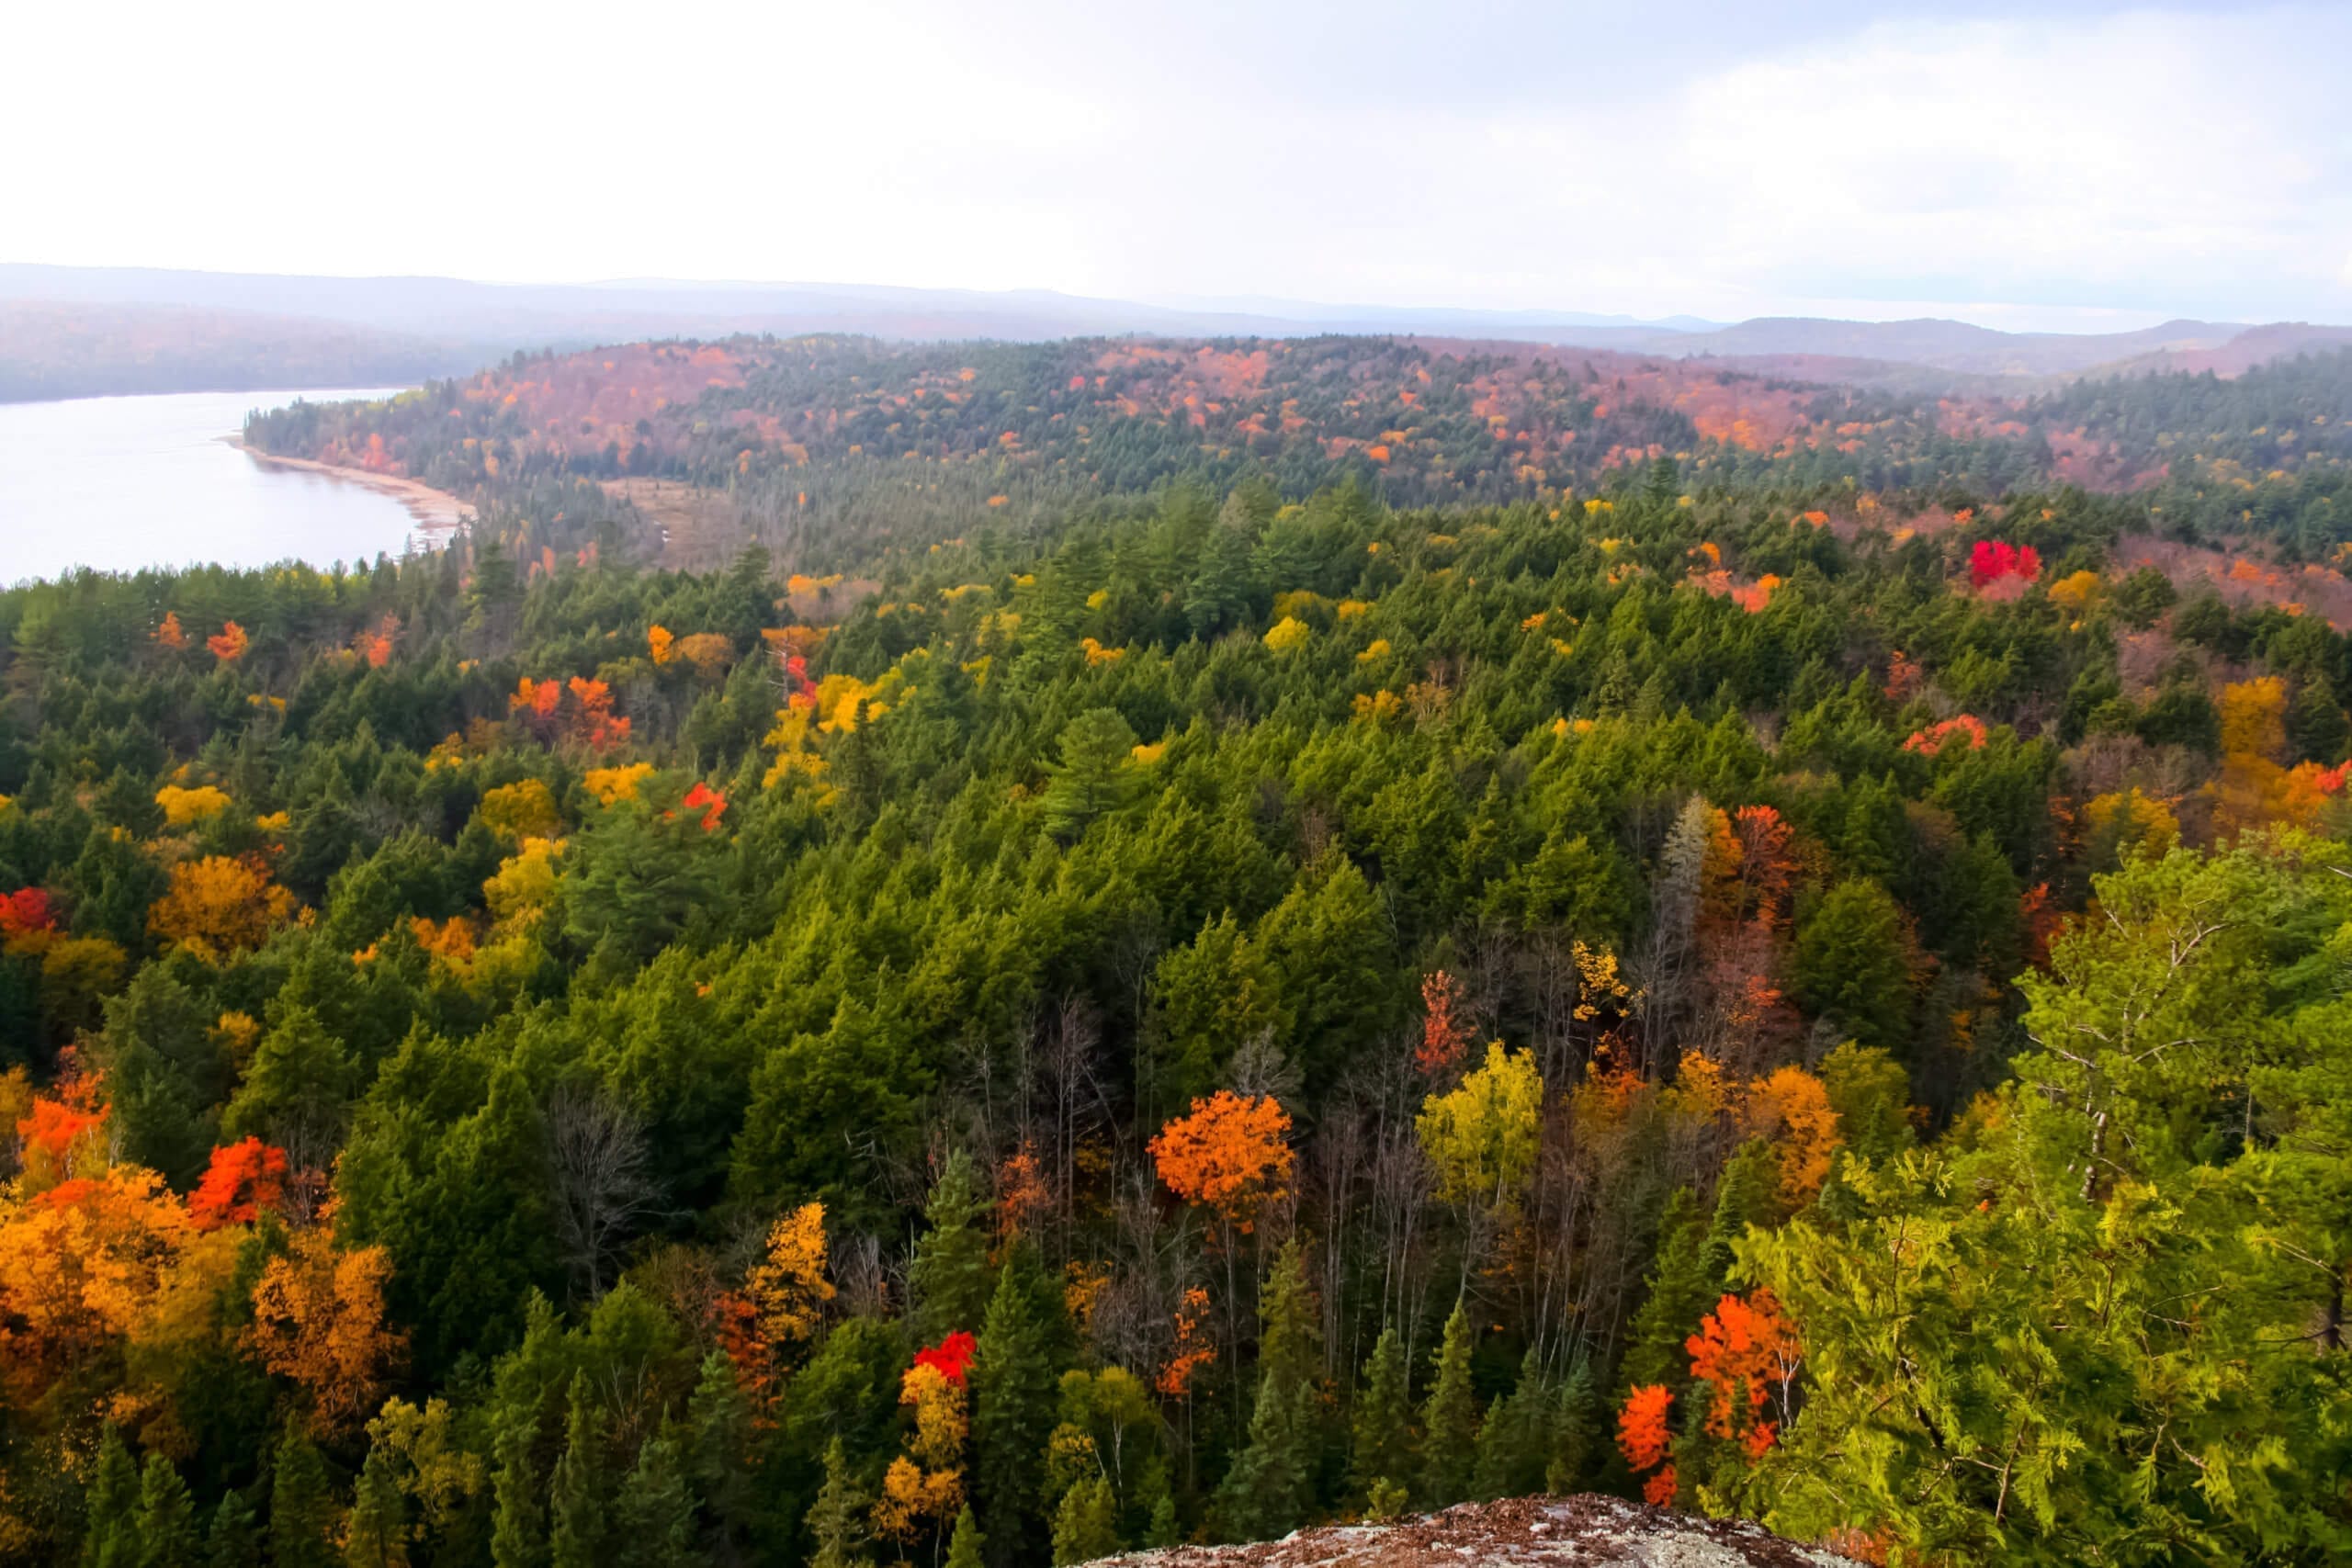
(246, 330)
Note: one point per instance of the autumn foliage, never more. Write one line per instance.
(1231, 1153)
(1646, 1442)
(243, 1181)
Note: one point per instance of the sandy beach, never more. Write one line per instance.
(436, 511)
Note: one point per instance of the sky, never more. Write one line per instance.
(2050, 166)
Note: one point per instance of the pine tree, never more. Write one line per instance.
(1268, 1489)
(234, 1540)
(1576, 1442)
(1678, 1295)
(1289, 1328)
(948, 1276)
(1012, 1390)
(1450, 1419)
(1087, 1524)
(720, 1458)
(1746, 1194)
(518, 1529)
(576, 1491)
(836, 1522)
(166, 1524)
(656, 1510)
(109, 1536)
(964, 1546)
(1381, 1434)
(303, 1514)
(1162, 1531)
(1512, 1443)
(376, 1535)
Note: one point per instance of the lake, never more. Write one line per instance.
(121, 483)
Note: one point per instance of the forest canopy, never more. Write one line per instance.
(1277, 984)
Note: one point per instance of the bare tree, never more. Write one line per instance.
(597, 1159)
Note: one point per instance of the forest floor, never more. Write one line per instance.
(1571, 1532)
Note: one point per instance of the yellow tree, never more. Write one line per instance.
(1482, 1140)
(318, 1322)
(219, 905)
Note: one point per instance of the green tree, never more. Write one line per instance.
(233, 1538)
(376, 1534)
(1450, 1419)
(576, 1490)
(1012, 1393)
(655, 1512)
(110, 1507)
(1515, 1440)
(1086, 1526)
(1850, 963)
(1380, 1451)
(948, 1275)
(836, 1523)
(302, 1513)
(1095, 776)
(518, 1531)
(965, 1546)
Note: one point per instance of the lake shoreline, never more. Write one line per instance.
(437, 514)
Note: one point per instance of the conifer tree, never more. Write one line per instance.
(1162, 1531)
(656, 1510)
(1512, 1443)
(1012, 1390)
(1575, 1442)
(110, 1507)
(719, 1457)
(1679, 1292)
(376, 1534)
(302, 1506)
(1450, 1419)
(518, 1529)
(965, 1547)
(1380, 1455)
(575, 1492)
(948, 1276)
(1746, 1194)
(166, 1524)
(1086, 1526)
(836, 1523)
(233, 1540)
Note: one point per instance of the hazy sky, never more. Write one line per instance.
(2053, 164)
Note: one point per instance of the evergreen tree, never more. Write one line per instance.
(1748, 1193)
(1450, 1419)
(1381, 1434)
(719, 1457)
(234, 1540)
(1576, 1442)
(965, 1547)
(518, 1530)
(948, 1276)
(836, 1522)
(1513, 1443)
(576, 1490)
(1162, 1531)
(110, 1507)
(1086, 1526)
(302, 1514)
(1012, 1393)
(376, 1534)
(167, 1530)
(1268, 1489)
(1679, 1292)
(1095, 774)
(656, 1512)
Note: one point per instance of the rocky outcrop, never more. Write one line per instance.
(1571, 1532)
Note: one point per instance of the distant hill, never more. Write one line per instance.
(453, 325)
(50, 350)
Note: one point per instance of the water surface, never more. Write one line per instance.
(121, 483)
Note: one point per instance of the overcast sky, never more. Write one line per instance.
(2057, 163)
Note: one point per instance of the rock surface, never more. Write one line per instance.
(1571, 1532)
